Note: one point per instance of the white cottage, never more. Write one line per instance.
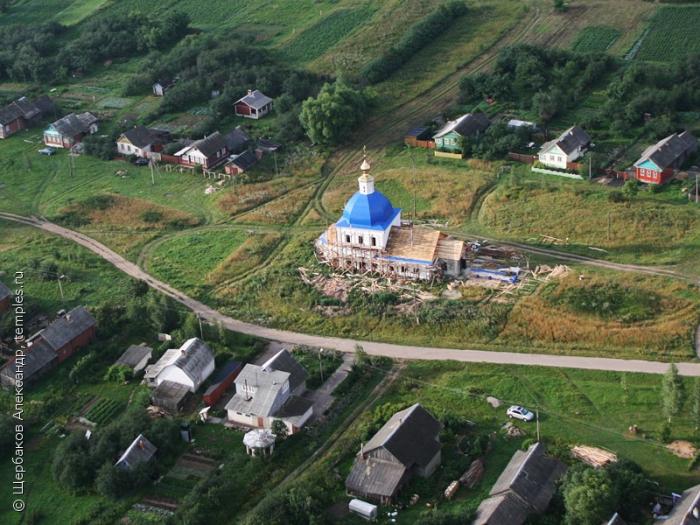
(190, 365)
(567, 147)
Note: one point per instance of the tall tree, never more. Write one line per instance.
(671, 392)
(696, 403)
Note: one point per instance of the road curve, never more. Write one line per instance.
(348, 345)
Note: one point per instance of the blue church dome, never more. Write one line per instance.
(373, 211)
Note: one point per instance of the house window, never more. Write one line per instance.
(403, 269)
(347, 238)
(374, 241)
(360, 240)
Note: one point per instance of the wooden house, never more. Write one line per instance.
(140, 451)
(70, 130)
(566, 148)
(407, 445)
(22, 113)
(450, 136)
(37, 360)
(140, 141)
(135, 358)
(525, 487)
(68, 333)
(241, 163)
(208, 152)
(254, 105)
(659, 162)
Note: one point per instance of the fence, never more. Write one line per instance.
(519, 157)
(448, 155)
(559, 173)
(417, 143)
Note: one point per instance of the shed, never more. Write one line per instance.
(140, 451)
(161, 86)
(363, 509)
(170, 396)
(419, 137)
(222, 380)
(136, 357)
(241, 163)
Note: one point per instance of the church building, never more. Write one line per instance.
(371, 237)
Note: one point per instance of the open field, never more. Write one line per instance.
(673, 34)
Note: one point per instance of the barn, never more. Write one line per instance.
(223, 379)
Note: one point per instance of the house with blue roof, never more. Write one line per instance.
(371, 237)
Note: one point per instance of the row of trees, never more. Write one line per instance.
(31, 53)
(415, 39)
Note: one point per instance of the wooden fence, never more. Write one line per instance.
(519, 157)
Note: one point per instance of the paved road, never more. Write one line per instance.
(348, 345)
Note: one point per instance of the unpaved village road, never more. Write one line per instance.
(348, 345)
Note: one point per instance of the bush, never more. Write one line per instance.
(616, 197)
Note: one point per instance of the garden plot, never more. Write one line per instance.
(673, 33)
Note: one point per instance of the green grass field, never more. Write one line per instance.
(673, 34)
(595, 39)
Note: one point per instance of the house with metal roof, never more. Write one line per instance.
(285, 362)
(253, 105)
(208, 152)
(567, 147)
(136, 357)
(140, 451)
(265, 394)
(525, 487)
(407, 445)
(240, 163)
(370, 236)
(38, 359)
(140, 141)
(5, 298)
(190, 365)
(70, 130)
(222, 379)
(68, 332)
(451, 135)
(686, 511)
(22, 113)
(659, 162)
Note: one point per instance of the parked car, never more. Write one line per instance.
(521, 413)
(47, 151)
(140, 161)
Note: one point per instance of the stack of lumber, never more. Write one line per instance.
(593, 456)
(451, 489)
(473, 475)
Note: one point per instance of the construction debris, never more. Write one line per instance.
(494, 402)
(545, 272)
(593, 456)
(682, 449)
(474, 474)
(513, 431)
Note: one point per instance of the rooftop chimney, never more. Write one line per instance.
(250, 91)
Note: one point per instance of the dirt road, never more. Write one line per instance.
(348, 345)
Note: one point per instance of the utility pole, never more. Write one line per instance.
(153, 178)
(590, 170)
(60, 288)
(609, 224)
(697, 194)
(201, 330)
(320, 363)
(537, 417)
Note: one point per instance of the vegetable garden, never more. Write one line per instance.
(595, 39)
(673, 33)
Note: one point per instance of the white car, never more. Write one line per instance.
(521, 413)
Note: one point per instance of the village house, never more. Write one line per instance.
(237, 140)
(22, 113)
(208, 152)
(407, 445)
(5, 298)
(221, 381)
(271, 392)
(686, 511)
(140, 141)
(370, 236)
(452, 134)
(70, 130)
(254, 105)
(51, 346)
(525, 487)
(566, 148)
(659, 162)
(240, 163)
(190, 365)
(135, 358)
(140, 451)
(161, 86)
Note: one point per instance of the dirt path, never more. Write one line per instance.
(348, 345)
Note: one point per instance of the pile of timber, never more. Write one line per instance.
(473, 475)
(451, 489)
(593, 456)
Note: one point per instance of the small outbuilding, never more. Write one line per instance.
(161, 86)
(222, 380)
(240, 163)
(140, 451)
(170, 396)
(259, 442)
(363, 509)
(136, 357)
(254, 105)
